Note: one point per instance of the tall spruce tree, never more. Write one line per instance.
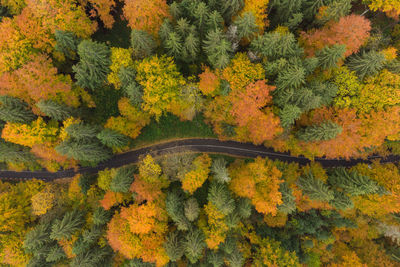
(122, 179)
(112, 138)
(194, 245)
(174, 246)
(54, 110)
(143, 43)
(66, 43)
(353, 183)
(325, 131)
(13, 153)
(86, 150)
(93, 67)
(315, 188)
(218, 49)
(69, 224)
(289, 114)
(329, 56)
(221, 197)
(192, 209)
(246, 25)
(367, 64)
(81, 131)
(13, 109)
(220, 171)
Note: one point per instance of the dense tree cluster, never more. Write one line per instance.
(83, 80)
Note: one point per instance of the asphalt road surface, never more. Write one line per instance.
(232, 148)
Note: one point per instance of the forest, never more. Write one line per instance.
(84, 80)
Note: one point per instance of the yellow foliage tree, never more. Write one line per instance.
(198, 175)
(43, 201)
(120, 57)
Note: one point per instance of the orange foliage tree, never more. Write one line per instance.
(198, 175)
(209, 82)
(259, 181)
(352, 31)
(39, 80)
(102, 9)
(146, 15)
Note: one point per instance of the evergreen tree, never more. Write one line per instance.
(194, 245)
(192, 209)
(70, 223)
(101, 216)
(174, 246)
(294, 21)
(325, 131)
(37, 238)
(56, 254)
(291, 77)
(66, 43)
(173, 44)
(315, 188)
(275, 45)
(143, 44)
(220, 171)
(246, 25)
(235, 259)
(288, 115)
(284, 9)
(341, 201)
(122, 179)
(217, 49)
(183, 27)
(14, 110)
(289, 205)
(244, 208)
(367, 64)
(230, 8)
(175, 210)
(134, 91)
(126, 76)
(335, 10)
(93, 67)
(165, 29)
(214, 21)
(112, 139)
(54, 110)
(85, 150)
(353, 183)
(191, 48)
(80, 131)
(329, 56)
(215, 258)
(93, 257)
(175, 10)
(13, 153)
(221, 197)
(230, 245)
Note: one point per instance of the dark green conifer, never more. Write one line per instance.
(13, 109)
(367, 64)
(122, 179)
(112, 138)
(325, 131)
(192, 209)
(54, 110)
(80, 131)
(13, 153)
(221, 197)
(194, 245)
(246, 25)
(289, 205)
(70, 223)
(315, 188)
(66, 43)
(142, 43)
(217, 48)
(85, 150)
(174, 246)
(289, 114)
(56, 254)
(329, 56)
(93, 67)
(220, 171)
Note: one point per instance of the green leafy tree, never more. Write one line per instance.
(218, 168)
(122, 179)
(329, 56)
(112, 139)
(174, 246)
(246, 25)
(80, 131)
(143, 43)
(289, 114)
(14, 110)
(192, 209)
(93, 67)
(66, 43)
(315, 188)
(367, 64)
(217, 48)
(86, 150)
(69, 224)
(325, 131)
(194, 245)
(54, 110)
(353, 183)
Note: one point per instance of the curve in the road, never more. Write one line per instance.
(194, 145)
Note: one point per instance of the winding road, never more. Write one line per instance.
(232, 148)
